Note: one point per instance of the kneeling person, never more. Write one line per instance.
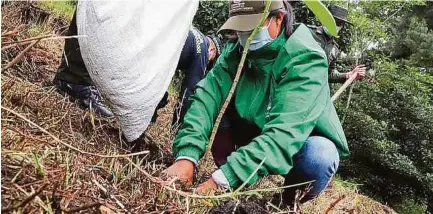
(281, 111)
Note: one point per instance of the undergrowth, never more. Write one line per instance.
(64, 9)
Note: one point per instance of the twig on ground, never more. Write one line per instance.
(10, 33)
(331, 206)
(85, 207)
(44, 37)
(13, 45)
(111, 196)
(68, 145)
(27, 41)
(26, 200)
(236, 206)
(20, 55)
(225, 195)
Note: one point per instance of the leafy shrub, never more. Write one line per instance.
(211, 15)
(390, 129)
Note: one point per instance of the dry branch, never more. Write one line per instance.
(14, 45)
(26, 200)
(111, 196)
(20, 55)
(27, 41)
(68, 145)
(10, 33)
(85, 207)
(331, 206)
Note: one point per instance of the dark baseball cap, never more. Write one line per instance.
(244, 15)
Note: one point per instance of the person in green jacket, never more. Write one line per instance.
(281, 112)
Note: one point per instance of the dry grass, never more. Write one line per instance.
(41, 175)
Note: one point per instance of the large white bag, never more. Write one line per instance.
(131, 51)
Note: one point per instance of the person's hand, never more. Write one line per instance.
(208, 187)
(182, 170)
(358, 72)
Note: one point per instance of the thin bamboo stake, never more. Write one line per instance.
(343, 88)
(20, 55)
(68, 145)
(238, 74)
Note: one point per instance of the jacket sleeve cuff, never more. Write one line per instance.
(190, 153)
(219, 178)
(188, 158)
(230, 176)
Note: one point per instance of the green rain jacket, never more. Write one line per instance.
(283, 90)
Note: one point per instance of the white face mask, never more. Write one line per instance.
(261, 39)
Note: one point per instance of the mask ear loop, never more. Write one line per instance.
(270, 21)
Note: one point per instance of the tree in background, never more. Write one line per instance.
(211, 15)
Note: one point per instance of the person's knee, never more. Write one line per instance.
(323, 153)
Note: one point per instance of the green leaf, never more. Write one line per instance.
(323, 14)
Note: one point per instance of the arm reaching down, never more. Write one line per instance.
(300, 98)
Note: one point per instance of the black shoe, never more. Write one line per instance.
(87, 96)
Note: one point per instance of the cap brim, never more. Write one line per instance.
(241, 22)
(344, 20)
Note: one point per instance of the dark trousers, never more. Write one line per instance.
(72, 68)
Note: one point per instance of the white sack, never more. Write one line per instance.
(131, 51)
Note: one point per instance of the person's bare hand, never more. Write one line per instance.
(358, 71)
(208, 187)
(181, 170)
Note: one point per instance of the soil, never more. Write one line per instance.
(239, 207)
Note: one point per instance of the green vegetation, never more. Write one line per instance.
(409, 207)
(63, 9)
(37, 29)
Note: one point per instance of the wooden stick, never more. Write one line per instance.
(20, 55)
(46, 37)
(68, 145)
(343, 88)
(26, 200)
(16, 44)
(28, 39)
(238, 74)
(10, 33)
(331, 206)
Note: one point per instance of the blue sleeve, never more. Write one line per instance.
(195, 70)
